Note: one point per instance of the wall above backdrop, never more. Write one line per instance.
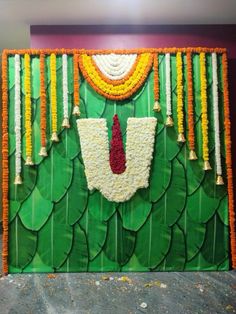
(117, 160)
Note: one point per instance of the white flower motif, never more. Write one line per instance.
(17, 116)
(65, 86)
(139, 152)
(168, 86)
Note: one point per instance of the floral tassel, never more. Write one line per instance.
(65, 123)
(76, 110)
(229, 160)
(219, 179)
(53, 63)
(18, 179)
(43, 151)
(169, 120)
(191, 135)
(180, 104)
(156, 107)
(28, 113)
(207, 165)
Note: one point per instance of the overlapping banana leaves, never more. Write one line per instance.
(180, 222)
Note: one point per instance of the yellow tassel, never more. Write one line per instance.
(169, 121)
(29, 161)
(76, 111)
(181, 138)
(43, 152)
(54, 137)
(219, 180)
(192, 155)
(65, 123)
(206, 165)
(156, 107)
(18, 180)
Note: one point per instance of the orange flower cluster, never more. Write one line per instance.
(76, 80)
(229, 160)
(5, 169)
(42, 101)
(156, 77)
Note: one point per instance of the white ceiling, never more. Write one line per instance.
(17, 15)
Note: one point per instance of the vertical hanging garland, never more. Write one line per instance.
(205, 149)
(180, 103)
(43, 123)
(65, 123)
(53, 69)
(191, 135)
(156, 107)
(229, 160)
(169, 120)
(76, 110)
(219, 179)
(28, 112)
(5, 168)
(18, 179)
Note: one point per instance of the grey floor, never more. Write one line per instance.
(201, 292)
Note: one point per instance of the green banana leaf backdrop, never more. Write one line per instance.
(178, 223)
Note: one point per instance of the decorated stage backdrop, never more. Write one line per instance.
(116, 161)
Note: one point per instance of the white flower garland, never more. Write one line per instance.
(65, 86)
(115, 66)
(216, 114)
(139, 152)
(17, 116)
(168, 85)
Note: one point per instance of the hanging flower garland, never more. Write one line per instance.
(18, 179)
(76, 110)
(126, 87)
(94, 142)
(169, 120)
(43, 123)
(205, 148)
(191, 135)
(180, 103)
(156, 106)
(53, 76)
(28, 112)
(65, 123)
(215, 95)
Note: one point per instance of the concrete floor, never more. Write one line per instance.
(119, 293)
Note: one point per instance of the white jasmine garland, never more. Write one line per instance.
(65, 86)
(216, 113)
(17, 116)
(115, 66)
(168, 85)
(94, 142)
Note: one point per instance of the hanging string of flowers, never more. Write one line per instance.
(53, 64)
(43, 123)
(76, 110)
(205, 148)
(18, 179)
(169, 120)
(28, 112)
(229, 159)
(156, 106)
(65, 123)
(180, 103)
(191, 135)
(219, 179)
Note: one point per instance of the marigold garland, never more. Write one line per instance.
(53, 96)
(43, 120)
(76, 110)
(28, 111)
(111, 91)
(229, 159)
(191, 135)
(156, 76)
(180, 103)
(5, 168)
(205, 148)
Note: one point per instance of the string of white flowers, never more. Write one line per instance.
(94, 142)
(216, 113)
(17, 117)
(114, 66)
(168, 85)
(65, 91)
